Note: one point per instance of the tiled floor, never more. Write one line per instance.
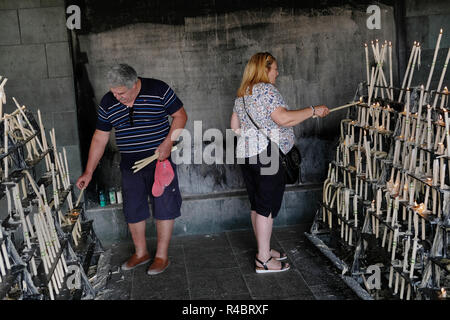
(220, 266)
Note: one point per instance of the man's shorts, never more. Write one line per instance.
(137, 188)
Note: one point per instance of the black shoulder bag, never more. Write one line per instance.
(290, 161)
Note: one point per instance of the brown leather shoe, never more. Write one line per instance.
(134, 261)
(158, 266)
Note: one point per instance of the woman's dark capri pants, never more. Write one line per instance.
(265, 192)
(137, 188)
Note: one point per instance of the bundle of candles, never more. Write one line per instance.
(40, 223)
(389, 178)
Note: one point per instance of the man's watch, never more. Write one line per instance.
(314, 111)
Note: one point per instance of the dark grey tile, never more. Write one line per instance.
(301, 297)
(265, 285)
(246, 260)
(199, 242)
(297, 249)
(221, 266)
(217, 283)
(291, 232)
(245, 296)
(121, 252)
(314, 270)
(293, 283)
(209, 258)
(171, 284)
(243, 241)
(333, 290)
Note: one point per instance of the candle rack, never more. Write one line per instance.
(386, 198)
(49, 245)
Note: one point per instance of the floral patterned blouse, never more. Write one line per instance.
(260, 105)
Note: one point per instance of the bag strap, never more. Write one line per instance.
(280, 153)
(251, 119)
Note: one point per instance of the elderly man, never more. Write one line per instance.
(139, 109)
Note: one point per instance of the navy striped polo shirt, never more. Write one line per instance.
(151, 110)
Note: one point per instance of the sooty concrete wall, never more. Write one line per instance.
(320, 57)
(423, 20)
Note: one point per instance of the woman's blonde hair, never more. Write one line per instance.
(255, 71)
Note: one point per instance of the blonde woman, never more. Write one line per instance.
(260, 103)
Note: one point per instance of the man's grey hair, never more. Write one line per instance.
(121, 75)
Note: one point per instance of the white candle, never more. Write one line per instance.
(390, 70)
(412, 188)
(363, 118)
(433, 196)
(411, 56)
(388, 114)
(394, 244)
(43, 249)
(388, 217)
(413, 161)
(372, 83)
(435, 172)
(413, 257)
(413, 65)
(48, 243)
(447, 126)
(442, 78)
(378, 212)
(429, 126)
(436, 49)
(419, 113)
(366, 49)
(423, 228)
(395, 213)
(396, 152)
(5, 143)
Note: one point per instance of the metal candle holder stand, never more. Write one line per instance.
(47, 248)
(386, 199)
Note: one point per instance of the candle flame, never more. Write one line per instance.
(443, 293)
(441, 31)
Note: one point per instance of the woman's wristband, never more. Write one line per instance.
(314, 111)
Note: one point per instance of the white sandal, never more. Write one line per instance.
(265, 269)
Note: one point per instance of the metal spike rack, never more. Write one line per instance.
(384, 220)
(48, 249)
